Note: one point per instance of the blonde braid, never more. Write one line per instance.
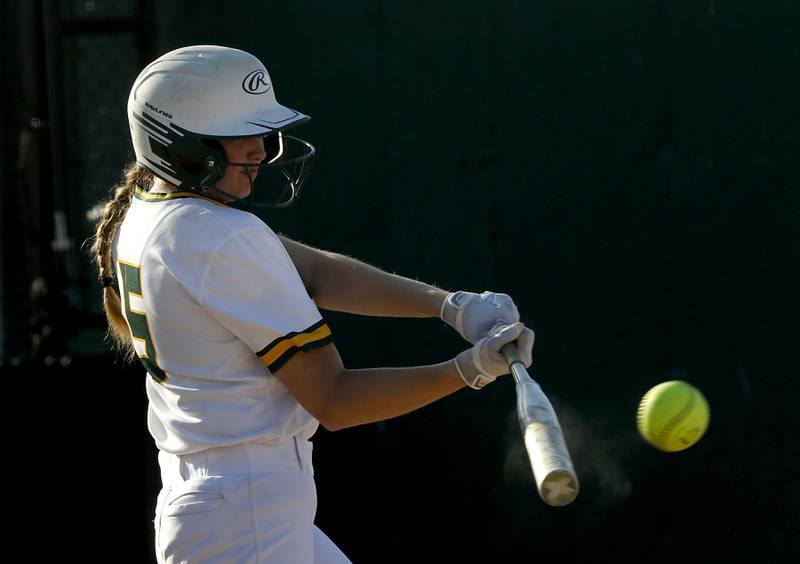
(114, 212)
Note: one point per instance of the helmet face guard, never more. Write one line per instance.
(290, 156)
(296, 168)
(188, 98)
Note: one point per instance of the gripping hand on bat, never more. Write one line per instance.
(474, 315)
(508, 346)
(484, 362)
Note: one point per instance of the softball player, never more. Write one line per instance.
(225, 316)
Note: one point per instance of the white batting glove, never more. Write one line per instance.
(484, 362)
(473, 315)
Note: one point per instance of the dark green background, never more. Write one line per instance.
(627, 171)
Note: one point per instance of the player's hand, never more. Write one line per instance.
(484, 362)
(473, 315)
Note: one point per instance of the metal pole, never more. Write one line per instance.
(62, 244)
(4, 175)
(26, 204)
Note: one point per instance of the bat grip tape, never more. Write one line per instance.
(511, 353)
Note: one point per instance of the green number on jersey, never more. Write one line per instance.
(137, 319)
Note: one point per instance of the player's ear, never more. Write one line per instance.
(212, 166)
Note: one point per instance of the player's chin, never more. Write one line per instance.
(235, 191)
(242, 194)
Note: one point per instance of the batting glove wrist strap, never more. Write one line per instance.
(484, 362)
(473, 315)
(465, 364)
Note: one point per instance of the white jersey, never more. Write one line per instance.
(215, 305)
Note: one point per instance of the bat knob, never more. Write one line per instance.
(559, 488)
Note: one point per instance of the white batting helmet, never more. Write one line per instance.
(184, 100)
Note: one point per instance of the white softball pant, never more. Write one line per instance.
(249, 503)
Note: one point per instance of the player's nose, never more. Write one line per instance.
(255, 150)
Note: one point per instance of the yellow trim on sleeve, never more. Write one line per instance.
(298, 341)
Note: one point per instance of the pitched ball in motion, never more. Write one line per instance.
(672, 416)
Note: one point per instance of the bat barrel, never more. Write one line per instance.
(552, 467)
(550, 460)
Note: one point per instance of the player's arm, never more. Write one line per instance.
(339, 397)
(340, 283)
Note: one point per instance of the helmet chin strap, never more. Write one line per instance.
(227, 197)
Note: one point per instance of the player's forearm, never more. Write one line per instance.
(376, 394)
(345, 284)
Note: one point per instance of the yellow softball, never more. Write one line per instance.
(672, 416)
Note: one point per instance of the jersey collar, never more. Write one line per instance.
(142, 194)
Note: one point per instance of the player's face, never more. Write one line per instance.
(251, 151)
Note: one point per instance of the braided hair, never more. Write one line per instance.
(101, 249)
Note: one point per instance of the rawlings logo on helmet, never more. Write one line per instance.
(158, 111)
(256, 82)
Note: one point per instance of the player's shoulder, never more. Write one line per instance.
(192, 216)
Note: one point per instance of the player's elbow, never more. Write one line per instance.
(330, 426)
(334, 418)
(342, 415)
(322, 406)
(314, 378)
(338, 411)
(328, 420)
